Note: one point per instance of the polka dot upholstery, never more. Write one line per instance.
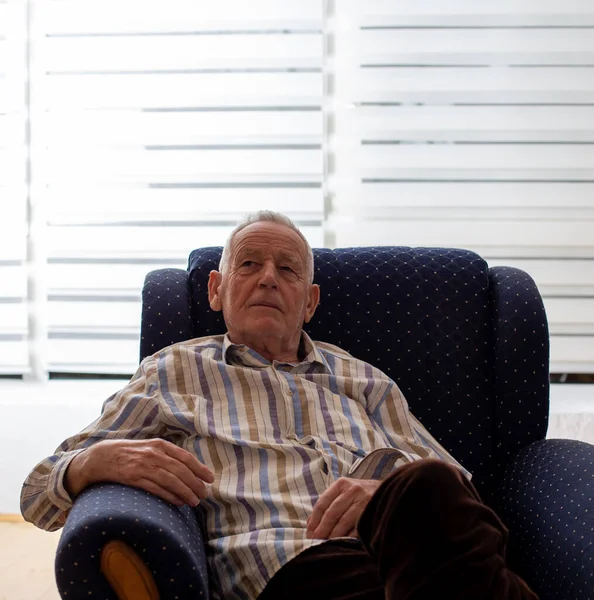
(425, 316)
(166, 316)
(167, 538)
(548, 504)
(468, 346)
(521, 360)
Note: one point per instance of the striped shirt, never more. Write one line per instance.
(276, 435)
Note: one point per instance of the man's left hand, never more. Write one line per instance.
(338, 509)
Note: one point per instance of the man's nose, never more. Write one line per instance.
(268, 276)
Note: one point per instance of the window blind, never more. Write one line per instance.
(159, 126)
(471, 124)
(14, 349)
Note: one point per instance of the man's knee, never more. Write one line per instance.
(435, 469)
(420, 499)
(431, 472)
(430, 482)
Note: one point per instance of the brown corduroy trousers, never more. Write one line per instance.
(425, 535)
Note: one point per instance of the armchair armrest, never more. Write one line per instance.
(547, 502)
(521, 363)
(167, 539)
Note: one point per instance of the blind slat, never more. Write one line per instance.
(14, 284)
(134, 53)
(378, 157)
(14, 355)
(468, 59)
(13, 244)
(126, 278)
(93, 316)
(566, 313)
(97, 127)
(511, 238)
(219, 91)
(373, 44)
(80, 355)
(573, 354)
(75, 16)
(181, 165)
(205, 205)
(469, 194)
(545, 79)
(486, 10)
(370, 121)
(13, 318)
(148, 241)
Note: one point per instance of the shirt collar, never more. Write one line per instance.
(239, 353)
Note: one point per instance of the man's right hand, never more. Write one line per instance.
(156, 466)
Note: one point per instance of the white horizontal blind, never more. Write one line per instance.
(14, 350)
(159, 125)
(471, 124)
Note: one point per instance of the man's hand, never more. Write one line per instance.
(338, 509)
(156, 466)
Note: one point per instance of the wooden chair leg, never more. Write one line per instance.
(127, 574)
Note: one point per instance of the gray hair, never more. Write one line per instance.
(266, 216)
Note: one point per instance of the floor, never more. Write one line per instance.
(27, 562)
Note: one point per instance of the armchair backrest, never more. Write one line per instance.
(428, 317)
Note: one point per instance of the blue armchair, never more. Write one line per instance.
(467, 344)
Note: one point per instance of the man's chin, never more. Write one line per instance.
(266, 324)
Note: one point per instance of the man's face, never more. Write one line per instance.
(265, 292)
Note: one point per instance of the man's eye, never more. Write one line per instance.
(248, 263)
(285, 268)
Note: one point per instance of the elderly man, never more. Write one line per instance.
(314, 478)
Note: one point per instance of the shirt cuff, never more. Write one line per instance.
(56, 489)
(379, 463)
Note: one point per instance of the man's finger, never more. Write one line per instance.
(333, 515)
(199, 469)
(157, 490)
(174, 485)
(347, 523)
(183, 472)
(323, 503)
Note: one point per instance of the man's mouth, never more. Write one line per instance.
(266, 305)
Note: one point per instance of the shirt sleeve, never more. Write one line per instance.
(403, 432)
(132, 413)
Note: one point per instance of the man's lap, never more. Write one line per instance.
(338, 569)
(426, 531)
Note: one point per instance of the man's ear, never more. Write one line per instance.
(214, 283)
(312, 301)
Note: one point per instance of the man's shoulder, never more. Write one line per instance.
(334, 350)
(208, 341)
(205, 340)
(342, 355)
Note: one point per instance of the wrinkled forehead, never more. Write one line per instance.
(265, 238)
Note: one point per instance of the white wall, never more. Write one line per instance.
(35, 418)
